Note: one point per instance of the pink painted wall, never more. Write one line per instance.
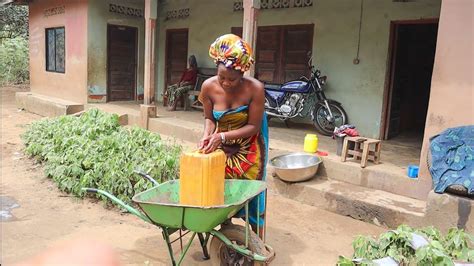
(71, 85)
(452, 87)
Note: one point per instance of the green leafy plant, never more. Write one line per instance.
(93, 150)
(366, 247)
(343, 261)
(433, 254)
(13, 21)
(14, 61)
(456, 245)
(396, 244)
(430, 233)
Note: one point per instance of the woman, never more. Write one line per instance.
(234, 114)
(186, 83)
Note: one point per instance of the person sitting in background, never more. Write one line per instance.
(186, 83)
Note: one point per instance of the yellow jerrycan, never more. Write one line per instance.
(201, 178)
(311, 143)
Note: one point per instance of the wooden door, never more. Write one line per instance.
(176, 56)
(297, 41)
(268, 54)
(122, 63)
(282, 51)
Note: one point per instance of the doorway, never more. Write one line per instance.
(176, 57)
(121, 63)
(412, 52)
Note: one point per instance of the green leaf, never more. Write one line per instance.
(437, 245)
(343, 261)
(470, 255)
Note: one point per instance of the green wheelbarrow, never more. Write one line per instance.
(230, 245)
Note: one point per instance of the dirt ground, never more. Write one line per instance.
(44, 216)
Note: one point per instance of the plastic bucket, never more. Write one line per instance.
(340, 144)
(412, 171)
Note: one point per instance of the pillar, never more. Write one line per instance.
(249, 32)
(148, 108)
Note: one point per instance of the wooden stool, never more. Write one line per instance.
(364, 153)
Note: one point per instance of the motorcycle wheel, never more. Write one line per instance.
(321, 122)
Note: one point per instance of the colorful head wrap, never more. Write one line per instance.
(232, 51)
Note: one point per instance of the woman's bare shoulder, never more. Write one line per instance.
(254, 84)
(209, 84)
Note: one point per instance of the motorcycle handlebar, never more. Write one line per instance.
(314, 72)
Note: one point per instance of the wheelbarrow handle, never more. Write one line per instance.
(90, 190)
(118, 202)
(147, 177)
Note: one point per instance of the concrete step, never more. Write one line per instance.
(180, 129)
(366, 204)
(446, 210)
(45, 105)
(127, 115)
(369, 205)
(385, 176)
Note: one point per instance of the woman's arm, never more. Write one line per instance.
(182, 77)
(209, 122)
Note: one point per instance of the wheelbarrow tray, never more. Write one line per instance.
(161, 205)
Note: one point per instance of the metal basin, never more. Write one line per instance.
(296, 167)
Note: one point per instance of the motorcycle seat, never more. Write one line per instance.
(272, 86)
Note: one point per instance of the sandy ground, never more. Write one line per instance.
(300, 234)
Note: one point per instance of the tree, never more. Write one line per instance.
(14, 61)
(13, 21)
(13, 43)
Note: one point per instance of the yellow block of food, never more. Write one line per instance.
(201, 178)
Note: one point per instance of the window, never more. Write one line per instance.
(55, 50)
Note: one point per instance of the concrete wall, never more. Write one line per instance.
(98, 18)
(71, 85)
(452, 86)
(359, 87)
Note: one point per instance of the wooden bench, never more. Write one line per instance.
(203, 74)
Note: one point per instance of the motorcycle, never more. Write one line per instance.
(302, 98)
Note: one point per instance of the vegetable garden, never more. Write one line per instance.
(93, 150)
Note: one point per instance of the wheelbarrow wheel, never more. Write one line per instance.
(221, 255)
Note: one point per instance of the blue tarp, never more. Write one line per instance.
(452, 159)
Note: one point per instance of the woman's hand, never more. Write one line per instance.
(203, 142)
(210, 143)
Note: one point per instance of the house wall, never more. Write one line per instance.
(452, 86)
(98, 18)
(71, 85)
(359, 87)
